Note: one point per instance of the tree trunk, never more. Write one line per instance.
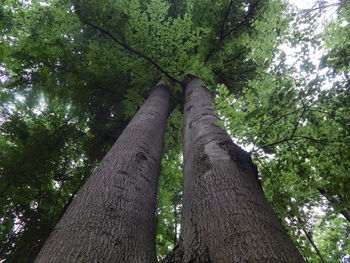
(112, 218)
(226, 217)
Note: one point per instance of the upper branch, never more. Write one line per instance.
(225, 18)
(245, 21)
(298, 121)
(133, 51)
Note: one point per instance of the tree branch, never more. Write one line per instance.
(307, 11)
(298, 122)
(242, 23)
(275, 121)
(225, 18)
(175, 8)
(309, 237)
(295, 138)
(245, 20)
(131, 50)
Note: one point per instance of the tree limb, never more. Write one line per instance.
(133, 51)
(298, 122)
(242, 23)
(225, 18)
(307, 11)
(295, 138)
(275, 121)
(309, 237)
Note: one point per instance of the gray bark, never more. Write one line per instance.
(226, 217)
(112, 218)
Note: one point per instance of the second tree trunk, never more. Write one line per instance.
(226, 217)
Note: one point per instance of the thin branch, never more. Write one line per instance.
(271, 144)
(322, 6)
(245, 21)
(270, 174)
(304, 108)
(133, 51)
(310, 139)
(225, 18)
(295, 138)
(204, 12)
(15, 16)
(309, 237)
(298, 122)
(175, 8)
(234, 58)
(275, 121)
(175, 225)
(314, 245)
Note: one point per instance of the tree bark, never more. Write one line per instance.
(226, 217)
(112, 218)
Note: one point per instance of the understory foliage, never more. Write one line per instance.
(74, 72)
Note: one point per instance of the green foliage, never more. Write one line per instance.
(42, 164)
(76, 71)
(170, 187)
(331, 235)
(298, 135)
(337, 40)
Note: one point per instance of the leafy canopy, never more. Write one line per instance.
(76, 71)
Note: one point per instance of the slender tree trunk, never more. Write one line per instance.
(112, 218)
(311, 240)
(308, 236)
(226, 217)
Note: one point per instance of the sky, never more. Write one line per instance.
(328, 15)
(304, 4)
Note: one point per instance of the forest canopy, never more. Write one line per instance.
(75, 72)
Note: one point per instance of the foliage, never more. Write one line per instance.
(297, 133)
(76, 71)
(331, 234)
(170, 187)
(42, 166)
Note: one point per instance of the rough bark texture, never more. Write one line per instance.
(226, 217)
(112, 218)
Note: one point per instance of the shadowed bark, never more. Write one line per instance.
(226, 217)
(112, 218)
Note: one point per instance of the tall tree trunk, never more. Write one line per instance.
(226, 217)
(112, 218)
